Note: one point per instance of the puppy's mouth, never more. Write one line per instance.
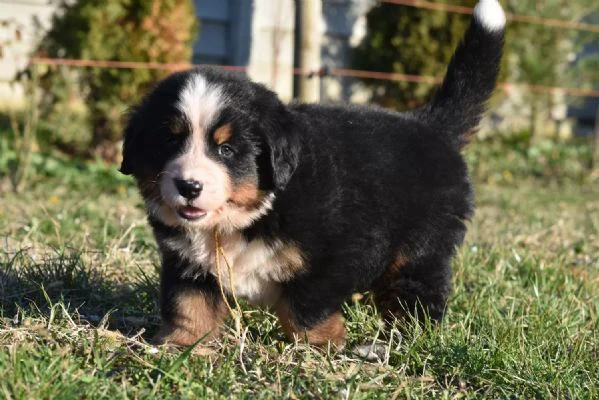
(191, 213)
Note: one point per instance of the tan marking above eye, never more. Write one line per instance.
(223, 134)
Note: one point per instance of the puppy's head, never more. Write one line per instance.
(210, 149)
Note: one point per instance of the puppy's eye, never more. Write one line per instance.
(173, 139)
(226, 150)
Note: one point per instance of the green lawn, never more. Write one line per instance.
(78, 292)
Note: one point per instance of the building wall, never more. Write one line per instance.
(31, 17)
(256, 33)
(225, 29)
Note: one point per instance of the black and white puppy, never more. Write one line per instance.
(310, 203)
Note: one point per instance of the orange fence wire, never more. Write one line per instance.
(338, 72)
(125, 64)
(556, 23)
(506, 86)
(346, 72)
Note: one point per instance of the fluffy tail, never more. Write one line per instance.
(460, 102)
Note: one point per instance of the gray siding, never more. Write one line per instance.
(225, 32)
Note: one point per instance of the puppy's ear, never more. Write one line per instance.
(282, 146)
(130, 139)
(283, 149)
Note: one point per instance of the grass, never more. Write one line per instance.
(78, 295)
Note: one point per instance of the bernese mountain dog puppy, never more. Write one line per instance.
(308, 203)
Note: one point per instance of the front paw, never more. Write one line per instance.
(330, 332)
(174, 340)
(179, 336)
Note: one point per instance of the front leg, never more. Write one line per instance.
(329, 329)
(310, 309)
(191, 307)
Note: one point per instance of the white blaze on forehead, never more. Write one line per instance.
(201, 102)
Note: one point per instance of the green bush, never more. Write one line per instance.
(511, 158)
(415, 41)
(408, 40)
(76, 101)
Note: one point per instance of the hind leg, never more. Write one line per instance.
(419, 288)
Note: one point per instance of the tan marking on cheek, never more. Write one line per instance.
(223, 134)
(330, 330)
(195, 317)
(246, 195)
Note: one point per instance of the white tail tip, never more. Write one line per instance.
(490, 14)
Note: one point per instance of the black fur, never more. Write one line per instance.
(357, 188)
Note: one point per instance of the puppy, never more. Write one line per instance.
(307, 204)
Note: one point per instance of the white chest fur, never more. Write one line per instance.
(257, 268)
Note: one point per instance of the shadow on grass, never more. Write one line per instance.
(34, 284)
(31, 285)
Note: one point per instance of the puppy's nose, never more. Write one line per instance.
(188, 188)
